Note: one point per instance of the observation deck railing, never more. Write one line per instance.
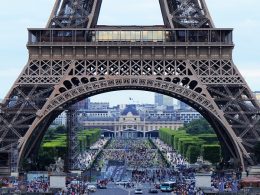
(130, 36)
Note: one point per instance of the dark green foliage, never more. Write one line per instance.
(200, 126)
(209, 138)
(193, 153)
(61, 129)
(47, 155)
(190, 145)
(211, 153)
(185, 145)
(88, 137)
(54, 145)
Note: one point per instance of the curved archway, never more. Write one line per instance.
(194, 98)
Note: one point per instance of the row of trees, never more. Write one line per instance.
(87, 138)
(193, 145)
(55, 143)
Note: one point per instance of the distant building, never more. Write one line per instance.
(184, 106)
(89, 115)
(163, 100)
(188, 115)
(158, 99)
(61, 120)
(131, 123)
(98, 106)
(161, 115)
(84, 104)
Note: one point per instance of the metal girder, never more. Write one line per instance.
(186, 14)
(74, 14)
(73, 143)
(84, 13)
(193, 65)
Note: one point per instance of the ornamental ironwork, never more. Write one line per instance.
(73, 58)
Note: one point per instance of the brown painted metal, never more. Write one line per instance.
(71, 60)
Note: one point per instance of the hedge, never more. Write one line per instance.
(185, 144)
(86, 138)
(176, 139)
(209, 138)
(211, 153)
(60, 140)
(193, 153)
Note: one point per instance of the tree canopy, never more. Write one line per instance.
(200, 126)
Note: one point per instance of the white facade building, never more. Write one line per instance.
(131, 124)
(188, 116)
(98, 106)
(61, 120)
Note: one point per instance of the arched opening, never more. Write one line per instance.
(205, 110)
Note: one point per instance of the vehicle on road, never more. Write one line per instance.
(101, 186)
(153, 191)
(92, 188)
(138, 191)
(173, 179)
(122, 182)
(167, 186)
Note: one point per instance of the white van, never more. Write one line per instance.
(92, 188)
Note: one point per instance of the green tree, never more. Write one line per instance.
(200, 126)
(61, 129)
(193, 153)
(211, 153)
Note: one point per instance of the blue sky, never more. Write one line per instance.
(16, 16)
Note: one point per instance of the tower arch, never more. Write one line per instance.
(72, 58)
(196, 100)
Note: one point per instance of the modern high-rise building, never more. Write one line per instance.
(158, 99)
(183, 106)
(163, 100)
(82, 105)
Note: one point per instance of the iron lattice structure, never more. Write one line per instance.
(72, 136)
(73, 58)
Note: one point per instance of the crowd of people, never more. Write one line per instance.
(225, 182)
(139, 161)
(170, 154)
(85, 160)
(135, 153)
(19, 185)
(11, 186)
(131, 144)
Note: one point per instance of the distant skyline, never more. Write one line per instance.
(17, 16)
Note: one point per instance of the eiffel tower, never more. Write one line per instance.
(73, 58)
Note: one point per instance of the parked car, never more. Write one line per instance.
(122, 182)
(92, 188)
(138, 191)
(101, 186)
(153, 191)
